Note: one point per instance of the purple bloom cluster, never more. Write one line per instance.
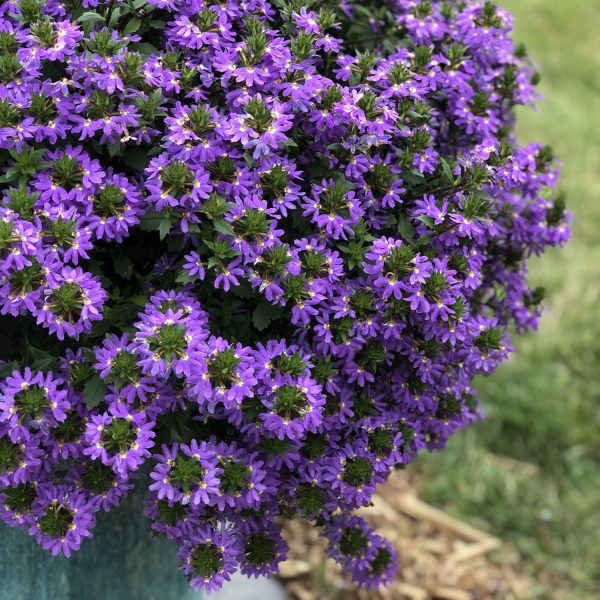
(42, 424)
(258, 250)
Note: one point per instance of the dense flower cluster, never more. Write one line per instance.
(256, 251)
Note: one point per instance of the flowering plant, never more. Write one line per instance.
(257, 249)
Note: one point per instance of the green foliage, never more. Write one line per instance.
(260, 549)
(94, 391)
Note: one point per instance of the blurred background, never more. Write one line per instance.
(529, 475)
(543, 406)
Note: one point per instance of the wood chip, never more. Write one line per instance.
(412, 506)
(412, 592)
(444, 593)
(474, 550)
(294, 568)
(440, 557)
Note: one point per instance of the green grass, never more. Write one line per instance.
(543, 406)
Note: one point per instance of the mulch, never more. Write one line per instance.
(440, 557)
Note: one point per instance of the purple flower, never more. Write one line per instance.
(19, 460)
(104, 488)
(121, 439)
(65, 439)
(263, 550)
(229, 274)
(282, 256)
(169, 334)
(114, 209)
(369, 558)
(294, 406)
(73, 299)
(63, 519)
(334, 208)
(261, 127)
(187, 474)
(16, 503)
(66, 236)
(118, 362)
(171, 519)
(173, 183)
(241, 480)
(222, 373)
(426, 161)
(352, 475)
(307, 20)
(49, 40)
(194, 266)
(21, 289)
(209, 557)
(19, 240)
(71, 176)
(32, 402)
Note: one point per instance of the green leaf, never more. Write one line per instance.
(114, 148)
(136, 159)
(244, 290)
(122, 314)
(99, 328)
(144, 48)
(215, 207)
(405, 227)
(481, 195)
(139, 300)
(7, 368)
(184, 277)
(133, 26)
(337, 147)
(262, 315)
(247, 156)
(94, 391)
(288, 144)
(222, 226)
(123, 266)
(447, 171)
(412, 178)
(114, 18)
(339, 177)
(163, 228)
(90, 18)
(41, 360)
(151, 221)
(44, 364)
(427, 221)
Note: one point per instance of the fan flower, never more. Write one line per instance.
(187, 473)
(72, 300)
(169, 334)
(209, 557)
(120, 439)
(63, 519)
(278, 248)
(20, 461)
(222, 374)
(31, 402)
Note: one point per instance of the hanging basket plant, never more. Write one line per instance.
(258, 250)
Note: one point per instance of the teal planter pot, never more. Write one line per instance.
(120, 562)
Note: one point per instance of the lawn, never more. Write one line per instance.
(531, 472)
